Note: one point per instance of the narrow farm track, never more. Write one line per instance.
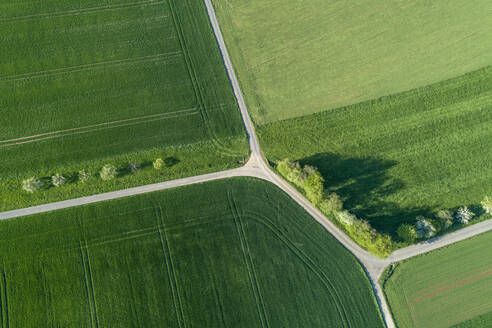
(258, 167)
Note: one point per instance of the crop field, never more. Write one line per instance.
(85, 81)
(449, 287)
(295, 57)
(397, 157)
(230, 253)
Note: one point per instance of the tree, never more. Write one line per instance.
(108, 172)
(84, 175)
(464, 215)
(313, 185)
(58, 179)
(446, 218)
(346, 218)
(158, 164)
(32, 184)
(424, 228)
(331, 204)
(407, 233)
(487, 204)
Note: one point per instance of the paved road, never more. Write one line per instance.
(258, 167)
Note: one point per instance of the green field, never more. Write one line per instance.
(449, 287)
(400, 156)
(230, 253)
(83, 83)
(298, 57)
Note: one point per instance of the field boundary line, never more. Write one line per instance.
(4, 301)
(81, 11)
(170, 269)
(97, 129)
(308, 261)
(96, 125)
(248, 261)
(80, 68)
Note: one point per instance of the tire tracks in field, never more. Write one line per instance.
(97, 127)
(255, 286)
(173, 281)
(331, 289)
(80, 68)
(89, 284)
(4, 300)
(76, 12)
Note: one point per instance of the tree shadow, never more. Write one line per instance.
(364, 184)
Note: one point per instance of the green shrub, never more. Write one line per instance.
(32, 184)
(58, 179)
(313, 185)
(84, 175)
(487, 204)
(108, 172)
(407, 233)
(133, 167)
(158, 164)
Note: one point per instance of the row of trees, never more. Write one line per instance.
(425, 228)
(308, 179)
(107, 172)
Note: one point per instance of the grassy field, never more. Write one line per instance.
(295, 58)
(449, 287)
(401, 156)
(243, 254)
(84, 81)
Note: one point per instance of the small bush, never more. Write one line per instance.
(424, 228)
(313, 185)
(464, 215)
(108, 172)
(487, 204)
(84, 175)
(407, 233)
(32, 184)
(58, 179)
(158, 164)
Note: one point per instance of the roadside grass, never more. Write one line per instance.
(294, 58)
(401, 156)
(84, 82)
(449, 287)
(229, 253)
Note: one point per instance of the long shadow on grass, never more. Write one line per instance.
(363, 184)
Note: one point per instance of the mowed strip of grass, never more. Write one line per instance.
(85, 82)
(449, 287)
(295, 57)
(229, 253)
(401, 156)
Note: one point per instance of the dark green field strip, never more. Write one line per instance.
(85, 39)
(100, 143)
(154, 260)
(127, 90)
(33, 9)
(401, 156)
(84, 83)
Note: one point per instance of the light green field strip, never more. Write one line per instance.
(445, 287)
(298, 57)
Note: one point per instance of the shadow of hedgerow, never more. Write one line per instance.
(364, 184)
